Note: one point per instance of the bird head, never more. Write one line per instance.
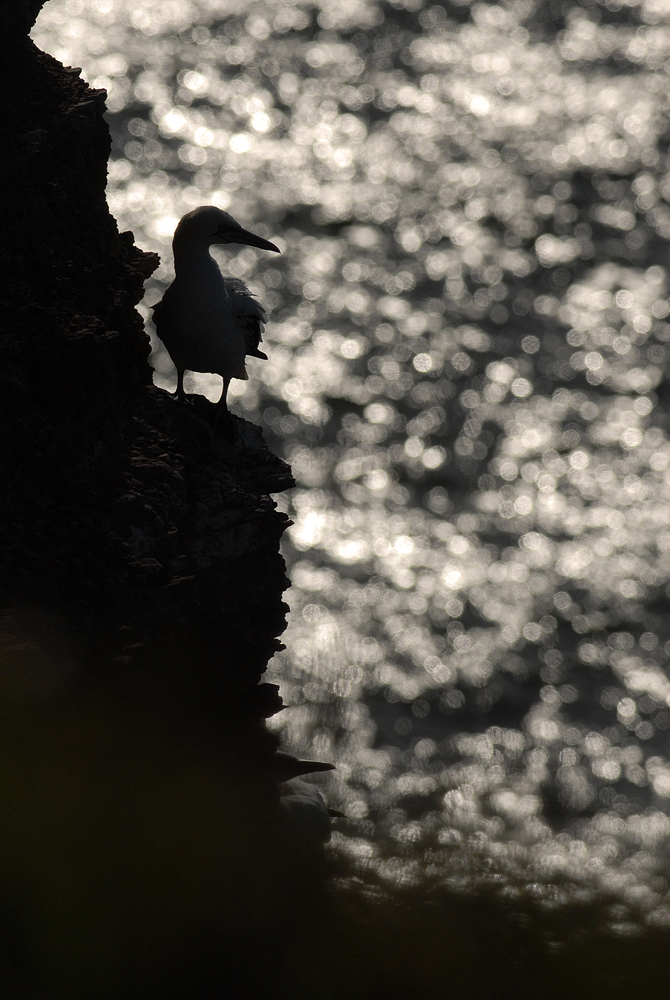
(216, 228)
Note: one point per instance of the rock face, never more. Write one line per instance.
(129, 528)
(140, 599)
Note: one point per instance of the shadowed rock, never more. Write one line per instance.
(125, 517)
(140, 598)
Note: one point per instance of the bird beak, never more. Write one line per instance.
(284, 767)
(247, 238)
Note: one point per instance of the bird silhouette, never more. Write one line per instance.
(209, 323)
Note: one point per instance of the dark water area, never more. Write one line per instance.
(467, 372)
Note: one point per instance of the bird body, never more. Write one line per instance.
(196, 321)
(304, 813)
(209, 323)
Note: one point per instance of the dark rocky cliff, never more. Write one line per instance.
(128, 525)
(140, 599)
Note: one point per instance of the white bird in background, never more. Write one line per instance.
(209, 323)
(304, 813)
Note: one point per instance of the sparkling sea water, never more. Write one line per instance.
(467, 371)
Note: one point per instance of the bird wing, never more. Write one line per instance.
(304, 815)
(249, 315)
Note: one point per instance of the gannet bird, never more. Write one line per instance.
(209, 323)
(304, 813)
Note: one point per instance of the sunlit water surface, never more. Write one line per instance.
(467, 349)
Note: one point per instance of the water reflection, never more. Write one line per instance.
(467, 360)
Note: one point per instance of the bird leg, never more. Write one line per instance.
(227, 428)
(181, 395)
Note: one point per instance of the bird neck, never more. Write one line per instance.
(194, 259)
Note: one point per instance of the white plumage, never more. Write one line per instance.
(209, 323)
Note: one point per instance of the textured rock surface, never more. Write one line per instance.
(130, 530)
(140, 600)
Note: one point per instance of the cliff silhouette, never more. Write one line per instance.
(131, 532)
(140, 600)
